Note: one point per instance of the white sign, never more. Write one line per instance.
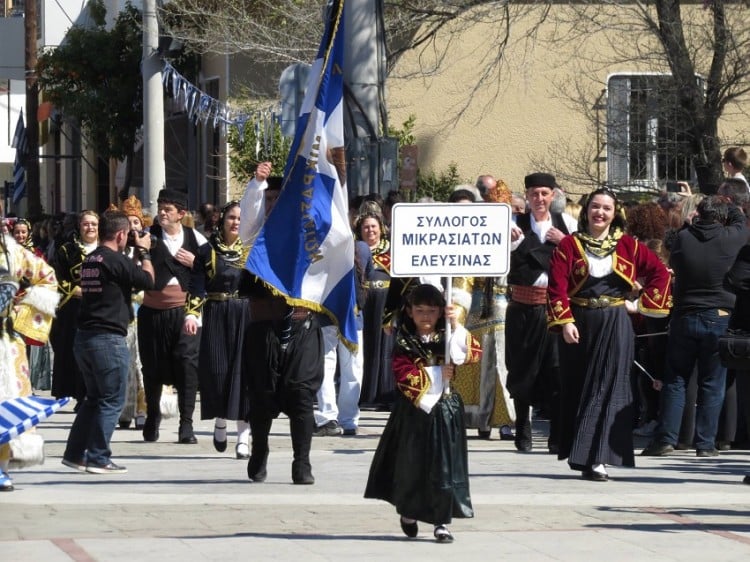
(450, 239)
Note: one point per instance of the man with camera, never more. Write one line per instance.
(700, 257)
(168, 354)
(108, 278)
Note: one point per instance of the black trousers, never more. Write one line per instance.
(284, 380)
(169, 356)
(533, 363)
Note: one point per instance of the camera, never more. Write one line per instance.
(674, 186)
(133, 235)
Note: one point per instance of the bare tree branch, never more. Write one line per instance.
(643, 35)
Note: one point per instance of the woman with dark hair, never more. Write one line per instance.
(31, 309)
(40, 369)
(591, 273)
(67, 260)
(377, 380)
(218, 299)
(22, 235)
(420, 465)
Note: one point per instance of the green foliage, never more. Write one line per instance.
(405, 134)
(95, 79)
(438, 185)
(255, 147)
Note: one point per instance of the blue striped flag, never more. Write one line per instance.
(21, 144)
(305, 249)
(19, 414)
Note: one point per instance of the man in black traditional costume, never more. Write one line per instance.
(283, 350)
(530, 351)
(168, 354)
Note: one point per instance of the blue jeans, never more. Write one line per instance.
(103, 359)
(693, 338)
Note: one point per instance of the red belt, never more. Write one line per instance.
(528, 295)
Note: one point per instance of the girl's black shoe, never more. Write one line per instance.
(442, 534)
(409, 529)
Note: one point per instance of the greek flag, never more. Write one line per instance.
(19, 414)
(305, 249)
(20, 143)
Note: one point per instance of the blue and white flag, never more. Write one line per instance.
(19, 414)
(305, 249)
(21, 144)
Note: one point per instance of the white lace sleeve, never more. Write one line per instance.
(458, 345)
(252, 210)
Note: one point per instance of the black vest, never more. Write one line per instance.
(165, 265)
(532, 257)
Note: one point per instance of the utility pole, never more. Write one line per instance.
(32, 103)
(371, 157)
(361, 64)
(154, 174)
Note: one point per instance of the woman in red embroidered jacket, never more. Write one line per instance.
(421, 463)
(592, 272)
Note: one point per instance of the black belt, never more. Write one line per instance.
(224, 296)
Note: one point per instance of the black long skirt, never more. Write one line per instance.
(597, 400)
(421, 463)
(66, 376)
(222, 370)
(377, 376)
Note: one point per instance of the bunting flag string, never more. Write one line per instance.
(200, 107)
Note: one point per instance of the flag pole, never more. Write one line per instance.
(448, 300)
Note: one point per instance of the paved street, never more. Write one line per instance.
(183, 502)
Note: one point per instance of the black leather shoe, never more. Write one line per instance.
(746, 479)
(302, 473)
(409, 529)
(484, 433)
(523, 446)
(151, 429)
(553, 448)
(594, 476)
(220, 446)
(657, 450)
(256, 466)
(185, 435)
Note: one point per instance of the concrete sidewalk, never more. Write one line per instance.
(187, 502)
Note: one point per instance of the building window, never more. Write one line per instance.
(646, 133)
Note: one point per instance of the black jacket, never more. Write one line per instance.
(701, 257)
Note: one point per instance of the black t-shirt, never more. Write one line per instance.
(107, 281)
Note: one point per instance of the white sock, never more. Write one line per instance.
(220, 430)
(243, 432)
(600, 468)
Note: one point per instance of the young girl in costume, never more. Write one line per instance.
(421, 463)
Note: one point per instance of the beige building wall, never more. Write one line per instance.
(525, 119)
